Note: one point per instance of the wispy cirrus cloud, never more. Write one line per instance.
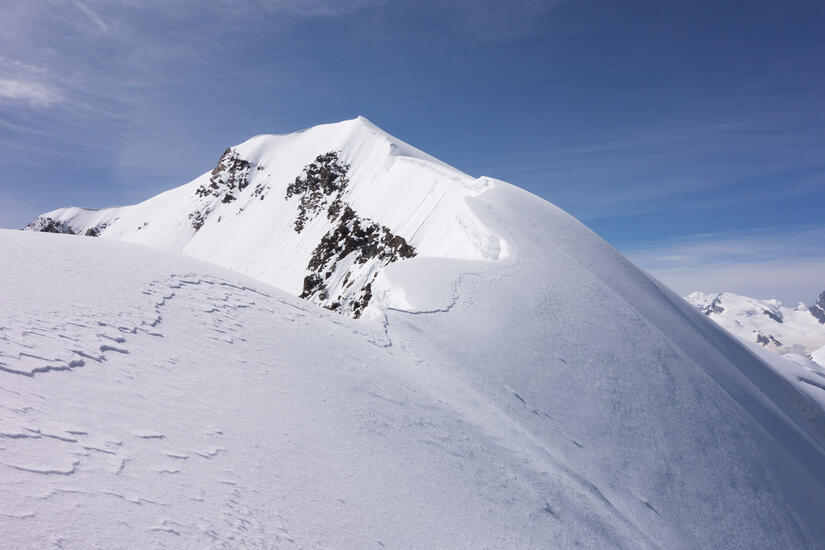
(35, 94)
(493, 20)
(92, 15)
(88, 50)
(27, 84)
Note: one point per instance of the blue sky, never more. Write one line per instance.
(688, 134)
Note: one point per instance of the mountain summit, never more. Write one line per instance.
(512, 380)
(319, 213)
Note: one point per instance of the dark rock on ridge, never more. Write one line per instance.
(232, 172)
(322, 185)
(818, 309)
(714, 306)
(764, 340)
(366, 241)
(230, 176)
(47, 224)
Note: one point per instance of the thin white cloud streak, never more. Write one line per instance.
(36, 94)
(11, 138)
(682, 161)
(319, 8)
(762, 244)
(92, 15)
(229, 11)
(494, 20)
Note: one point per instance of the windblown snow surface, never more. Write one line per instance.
(517, 382)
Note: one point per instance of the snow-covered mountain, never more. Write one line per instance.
(319, 213)
(513, 381)
(784, 330)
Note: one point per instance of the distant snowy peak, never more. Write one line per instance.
(799, 330)
(320, 213)
(712, 304)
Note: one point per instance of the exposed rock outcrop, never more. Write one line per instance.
(775, 315)
(818, 309)
(349, 257)
(321, 185)
(229, 177)
(231, 173)
(366, 247)
(714, 306)
(767, 339)
(46, 224)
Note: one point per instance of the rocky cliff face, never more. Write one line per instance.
(231, 173)
(351, 254)
(320, 186)
(818, 309)
(47, 224)
(230, 176)
(347, 261)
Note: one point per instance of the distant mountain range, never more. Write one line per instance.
(799, 330)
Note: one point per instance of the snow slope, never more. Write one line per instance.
(518, 384)
(768, 323)
(163, 401)
(819, 356)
